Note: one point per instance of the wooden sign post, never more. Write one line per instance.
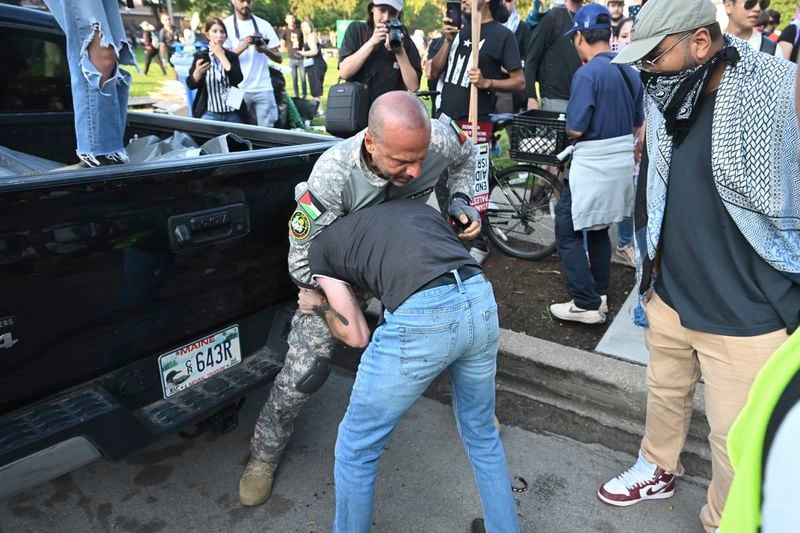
(473, 90)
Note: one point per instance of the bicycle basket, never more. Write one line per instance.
(537, 136)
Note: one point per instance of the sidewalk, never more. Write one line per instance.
(425, 483)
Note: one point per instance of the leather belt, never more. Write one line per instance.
(464, 272)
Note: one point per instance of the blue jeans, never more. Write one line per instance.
(298, 74)
(262, 107)
(585, 283)
(453, 327)
(232, 116)
(100, 111)
(625, 229)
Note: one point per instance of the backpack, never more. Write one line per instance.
(768, 46)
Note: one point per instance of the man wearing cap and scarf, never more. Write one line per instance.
(366, 55)
(722, 267)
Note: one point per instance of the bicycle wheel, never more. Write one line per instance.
(521, 215)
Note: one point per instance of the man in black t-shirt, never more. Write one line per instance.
(440, 315)
(551, 59)
(499, 70)
(789, 40)
(721, 275)
(367, 56)
(292, 43)
(498, 55)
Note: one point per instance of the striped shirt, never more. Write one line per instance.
(217, 85)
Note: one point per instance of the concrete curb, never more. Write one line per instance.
(590, 397)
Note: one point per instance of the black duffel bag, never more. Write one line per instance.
(348, 108)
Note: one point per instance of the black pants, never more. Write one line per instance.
(150, 54)
(586, 278)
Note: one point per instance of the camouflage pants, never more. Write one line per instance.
(309, 338)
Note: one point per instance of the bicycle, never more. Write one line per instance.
(523, 196)
(520, 218)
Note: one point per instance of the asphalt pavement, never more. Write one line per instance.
(425, 483)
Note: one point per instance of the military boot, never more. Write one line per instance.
(255, 486)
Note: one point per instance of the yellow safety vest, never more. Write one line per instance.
(742, 512)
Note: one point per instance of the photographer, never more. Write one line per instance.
(379, 53)
(215, 72)
(255, 42)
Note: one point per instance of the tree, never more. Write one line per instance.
(325, 13)
(205, 8)
(786, 8)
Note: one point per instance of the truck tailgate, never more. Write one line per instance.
(101, 267)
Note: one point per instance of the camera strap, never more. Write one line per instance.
(236, 26)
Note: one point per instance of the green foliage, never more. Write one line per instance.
(786, 8)
(428, 18)
(205, 8)
(324, 13)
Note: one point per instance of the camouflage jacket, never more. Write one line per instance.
(341, 183)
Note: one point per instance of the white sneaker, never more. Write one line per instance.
(604, 304)
(478, 254)
(625, 255)
(640, 482)
(570, 311)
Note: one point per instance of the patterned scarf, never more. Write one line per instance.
(755, 157)
(679, 95)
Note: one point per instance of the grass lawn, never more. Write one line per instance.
(142, 85)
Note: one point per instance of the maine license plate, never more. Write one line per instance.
(199, 360)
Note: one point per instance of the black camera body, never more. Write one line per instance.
(258, 39)
(396, 30)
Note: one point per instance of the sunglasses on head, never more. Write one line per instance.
(750, 4)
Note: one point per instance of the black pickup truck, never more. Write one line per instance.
(136, 300)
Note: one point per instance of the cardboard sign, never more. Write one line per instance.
(480, 188)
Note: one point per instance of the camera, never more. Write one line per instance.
(258, 39)
(396, 29)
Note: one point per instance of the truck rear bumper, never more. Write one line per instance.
(58, 435)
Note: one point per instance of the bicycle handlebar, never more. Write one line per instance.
(562, 156)
(427, 94)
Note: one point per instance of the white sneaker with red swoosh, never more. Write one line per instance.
(640, 482)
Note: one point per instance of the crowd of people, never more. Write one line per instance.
(704, 121)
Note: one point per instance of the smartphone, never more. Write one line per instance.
(454, 13)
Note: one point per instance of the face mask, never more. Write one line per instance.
(678, 95)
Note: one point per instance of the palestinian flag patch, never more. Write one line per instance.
(462, 137)
(311, 205)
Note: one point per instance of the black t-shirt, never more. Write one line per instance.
(433, 49)
(789, 35)
(294, 41)
(498, 50)
(551, 58)
(380, 71)
(709, 272)
(391, 250)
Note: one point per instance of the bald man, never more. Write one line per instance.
(401, 154)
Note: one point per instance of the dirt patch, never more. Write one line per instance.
(525, 289)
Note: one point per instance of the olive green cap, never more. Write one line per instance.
(659, 18)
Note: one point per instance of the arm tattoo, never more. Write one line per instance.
(323, 308)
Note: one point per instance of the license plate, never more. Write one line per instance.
(199, 360)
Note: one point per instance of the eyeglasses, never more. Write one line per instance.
(750, 4)
(648, 64)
